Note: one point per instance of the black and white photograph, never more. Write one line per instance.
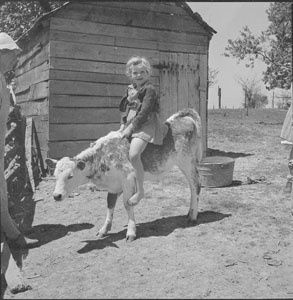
(146, 149)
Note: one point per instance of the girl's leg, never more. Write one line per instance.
(291, 154)
(288, 187)
(137, 146)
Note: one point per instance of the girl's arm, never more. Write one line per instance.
(123, 111)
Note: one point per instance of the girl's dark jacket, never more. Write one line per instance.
(148, 102)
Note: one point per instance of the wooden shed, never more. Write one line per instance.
(71, 74)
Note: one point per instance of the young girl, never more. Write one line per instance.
(287, 139)
(140, 117)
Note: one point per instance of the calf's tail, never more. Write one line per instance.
(196, 133)
(190, 112)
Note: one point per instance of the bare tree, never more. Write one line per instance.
(213, 73)
(252, 93)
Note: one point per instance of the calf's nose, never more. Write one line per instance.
(57, 197)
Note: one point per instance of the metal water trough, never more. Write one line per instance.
(216, 171)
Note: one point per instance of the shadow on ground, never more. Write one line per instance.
(22, 210)
(217, 152)
(47, 233)
(159, 227)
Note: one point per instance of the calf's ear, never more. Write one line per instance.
(80, 165)
(51, 162)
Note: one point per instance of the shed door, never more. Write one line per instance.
(183, 83)
(179, 82)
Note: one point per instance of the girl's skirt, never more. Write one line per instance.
(287, 129)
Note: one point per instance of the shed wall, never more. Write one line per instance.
(32, 77)
(89, 46)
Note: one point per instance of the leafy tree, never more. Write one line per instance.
(16, 17)
(273, 46)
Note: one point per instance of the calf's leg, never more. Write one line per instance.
(128, 190)
(111, 202)
(190, 171)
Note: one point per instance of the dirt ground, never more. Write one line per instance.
(241, 246)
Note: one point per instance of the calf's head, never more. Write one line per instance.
(69, 174)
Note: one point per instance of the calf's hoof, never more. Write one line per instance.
(130, 238)
(191, 222)
(104, 230)
(100, 235)
(191, 219)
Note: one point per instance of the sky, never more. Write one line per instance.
(228, 19)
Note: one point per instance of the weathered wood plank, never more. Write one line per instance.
(85, 38)
(111, 15)
(35, 75)
(30, 54)
(174, 72)
(35, 108)
(37, 60)
(168, 107)
(150, 34)
(99, 52)
(203, 97)
(83, 115)
(135, 43)
(90, 66)
(193, 82)
(164, 84)
(84, 101)
(86, 66)
(148, 6)
(173, 47)
(129, 42)
(203, 61)
(42, 132)
(59, 149)
(93, 77)
(12, 167)
(44, 154)
(41, 123)
(88, 76)
(78, 132)
(43, 140)
(182, 82)
(28, 151)
(86, 88)
(34, 92)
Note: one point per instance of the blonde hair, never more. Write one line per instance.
(137, 60)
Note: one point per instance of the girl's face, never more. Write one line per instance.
(139, 75)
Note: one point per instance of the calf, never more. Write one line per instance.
(105, 163)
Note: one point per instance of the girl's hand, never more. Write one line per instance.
(126, 133)
(121, 128)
